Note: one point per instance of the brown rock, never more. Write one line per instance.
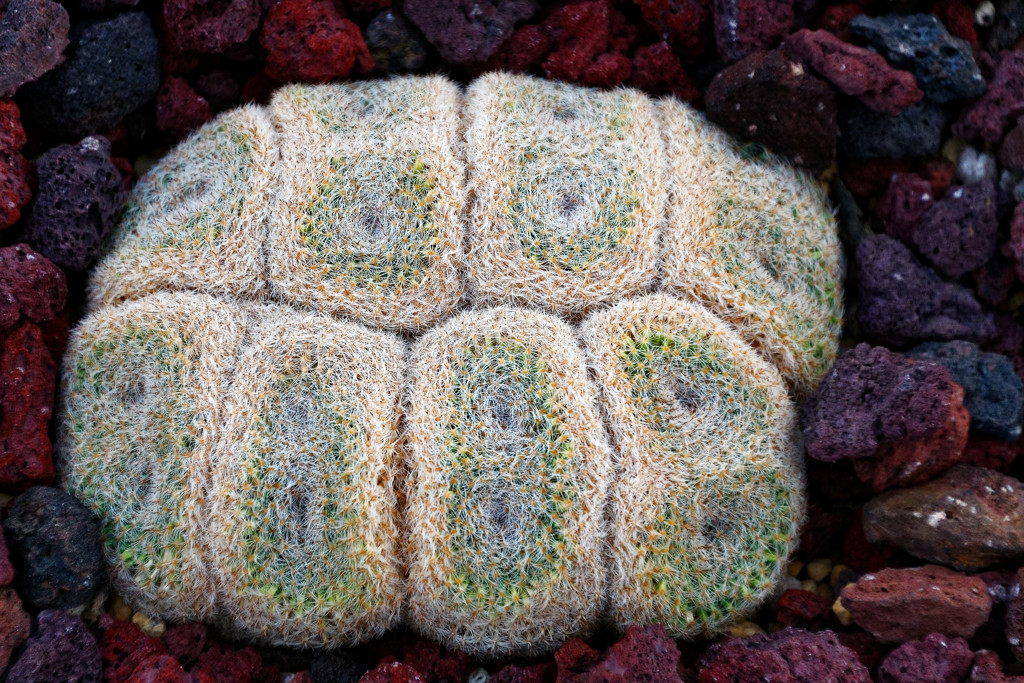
(987, 668)
(897, 605)
(15, 624)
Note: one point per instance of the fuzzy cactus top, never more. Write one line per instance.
(500, 362)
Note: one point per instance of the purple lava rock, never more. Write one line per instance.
(1011, 151)
(768, 98)
(468, 31)
(943, 66)
(868, 134)
(55, 548)
(62, 651)
(1001, 104)
(30, 286)
(746, 26)
(958, 232)
(935, 659)
(1015, 616)
(988, 668)
(903, 301)
(80, 191)
(854, 70)
(789, 655)
(33, 35)
(208, 28)
(904, 203)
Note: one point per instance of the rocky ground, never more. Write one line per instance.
(910, 565)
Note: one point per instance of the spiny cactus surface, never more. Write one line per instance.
(579, 421)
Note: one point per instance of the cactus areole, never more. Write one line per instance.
(499, 363)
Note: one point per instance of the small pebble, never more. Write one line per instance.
(150, 626)
(794, 568)
(842, 614)
(119, 609)
(974, 166)
(818, 569)
(744, 628)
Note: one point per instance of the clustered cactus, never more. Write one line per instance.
(352, 360)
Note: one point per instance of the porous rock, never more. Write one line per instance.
(312, 41)
(1001, 104)
(643, 655)
(224, 664)
(897, 605)
(15, 170)
(969, 518)
(435, 662)
(537, 673)
(1015, 616)
(746, 26)
(179, 108)
(185, 642)
(392, 672)
(934, 659)
(589, 43)
(395, 46)
(802, 609)
(685, 24)
(31, 286)
(15, 624)
(1011, 150)
(55, 546)
(957, 233)
(788, 655)
(208, 28)
(988, 668)
(903, 302)
(33, 35)
(868, 134)
(124, 647)
(1008, 25)
(342, 665)
(658, 71)
(467, 31)
(61, 650)
(905, 201)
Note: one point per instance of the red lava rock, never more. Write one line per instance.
(574, 657)
(958, 232)
(904, 203)
(538, 673)
(685, 24)
(1011, 151)
(219, 88)
(790, 656)
(897, 605)
(185, 642)
(643, 655)
(208, 28)
(123, 647)
(526, 49)
(15, 170)
(902, 422)
(969, 518)
(1001, 104)
(28, 377)
(935, 659)
(836, 18)
(219, 665)
(993, 454)
(62, 649)
(658, 71)
(468, 31)
(988, 668)
(866, 177)
(1015, 616)
(940, 173)
(6, 569)
(870, 651)
(743, 27)
(15, 623)
(824, 527)
(768, 98)
(958, 19)
(434, 662)
(311, 41)
(30, 286)
(392, 672)
(590, 39)
(802, 609)
(33, 35)
(854, 70)
(160, 669)
(302, 677)
(860, 553)
(367, 6)
(179, 108)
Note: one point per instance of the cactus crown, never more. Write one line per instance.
(548, 444)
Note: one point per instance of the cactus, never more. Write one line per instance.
(708, 500)
(509, 469)
(296, 480)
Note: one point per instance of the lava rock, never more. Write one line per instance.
(787, 655)
(590, 41)
(1001, 104)
(208, 28)
(1008, 25)
(993, 394)
(993, 454)
(658, 71)
(15, 170)
(771, 99)
(61, 650)
(394, 44)
(538, 673)
(6, 568)
(55, 545)
(969, 518)
(15, 624)
(1015, 616)
(854, 70)
(179, 108)
(943, 66)
(903, 205)
(28, 378)
(185, 642)
(746, 26)
(220, 664)
(644, 654)
(988, 668)
(312, 41)
(869, 134)
(902, 422)
(340, 666)
(685, 24)
(802, 609)
(31, 286)
(33, 35)
(958, 232)
(219, 88)
(934, 659)
(392, 672)
(958, 19)
(1011, 151)
(124, 647)
(113, 68)
(903, 302)
(435, 662)
(161, 669)
(80, 191)
(897, 605)
(468, 31)
(1016, 243)
(939, 173)
(524, 51)
(866, 177)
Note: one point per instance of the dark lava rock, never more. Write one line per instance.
(590, 41)
(30, 286)
(28, 378)
(185, 642)
(246, 664)
(80, 191)
(802, 609)
(969, 518)
(468, 31)
(33, 35)
(903, 205)
(789, 655)
(15, 623)
(993, 454)
(771, 99)
(903, 302)
(208, 28)
(179, 108)
(312, 41)
(538, 673)
(340, 666)
(1016, 243)
(902, 422)
(746, 26)
(943, 66)
(958, 232)
(1015, 616)
(113, 68)
(15, 170)
(866, 177)
(62, 651)
(1001, 104)
(1008, 25)
(524, 51)
(993, 394)
(55, 545)
(6, 568)
(685, 24)
(897, 605)
(395, 45)
(435, 662)
(219, 88)
(854, 70)
(392, 672)
(1011, 150)
(658, 71)
(869, 134)
(935, 659)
